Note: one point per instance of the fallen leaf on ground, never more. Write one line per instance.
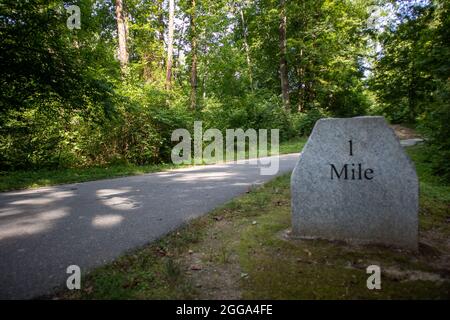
(196, 267)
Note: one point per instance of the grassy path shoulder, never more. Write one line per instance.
(239, 251)
(38, 178)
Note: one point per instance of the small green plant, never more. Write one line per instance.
(172, 270)
(224, 253)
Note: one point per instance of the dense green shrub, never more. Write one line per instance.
(31, 138)
(436, 125)
(257, 111)
(137, 131)
(303, 123)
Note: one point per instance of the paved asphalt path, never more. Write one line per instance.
(43, 231)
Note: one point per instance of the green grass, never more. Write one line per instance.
(434, 192)
(38, 178)
(292, 146)
(242, 254)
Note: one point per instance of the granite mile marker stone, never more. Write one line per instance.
(354, 182)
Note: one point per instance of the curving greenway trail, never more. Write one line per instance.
(43, 231)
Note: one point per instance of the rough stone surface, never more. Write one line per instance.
(380, 205)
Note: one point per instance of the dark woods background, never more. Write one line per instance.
(113, 91)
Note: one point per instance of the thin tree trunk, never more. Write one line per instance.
(205, 77)
(412, 84)
(177, 55)
(122, 36)
(193, 57)
(301, 84)
(247, 48)
(301, 66)
(161, 29)
(283, 61)
(170, 45)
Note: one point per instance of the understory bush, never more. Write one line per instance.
(435, 124)
(303, 123)
(138, 131)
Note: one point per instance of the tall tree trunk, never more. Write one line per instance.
(122, 35)
(412, 83)
(176, 61)
(193, 56)
(301, 65)
(170, 45)
(161, 29)
(247, 48)
(301, 84)
(283, 61)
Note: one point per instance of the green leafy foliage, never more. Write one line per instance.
(411, 77)
(66, 103)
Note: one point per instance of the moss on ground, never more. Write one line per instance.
(240, 251)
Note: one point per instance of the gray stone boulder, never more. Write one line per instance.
(354, 182)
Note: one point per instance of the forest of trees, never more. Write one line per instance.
(113, 90)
